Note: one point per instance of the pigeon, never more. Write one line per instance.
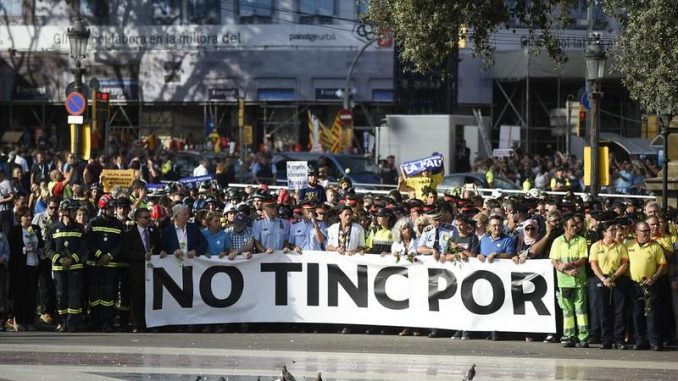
(286, 375)
(318, 377)
(221, 378)
(198, 378)
(471, 373)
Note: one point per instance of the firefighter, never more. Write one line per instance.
(67, 248)
(103, 239)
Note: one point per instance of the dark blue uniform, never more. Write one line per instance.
(67, 241)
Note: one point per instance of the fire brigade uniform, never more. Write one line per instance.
(104, 239)
(67, 241)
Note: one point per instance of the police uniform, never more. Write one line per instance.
(104, 239)
(432, 235)
(271, 233)
(302, 235)
(67, 241)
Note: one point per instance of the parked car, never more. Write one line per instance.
(459, 179)
(360, 169)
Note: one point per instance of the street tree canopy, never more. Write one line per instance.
(426, 33)
(645, 51)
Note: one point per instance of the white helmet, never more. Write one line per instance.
(497, 193)
(533, 193)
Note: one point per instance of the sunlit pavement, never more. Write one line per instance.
(92, 356)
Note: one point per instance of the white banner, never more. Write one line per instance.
(297, 174)
(184, 37)
(325, 287)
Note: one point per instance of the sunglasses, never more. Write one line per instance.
(529, 228)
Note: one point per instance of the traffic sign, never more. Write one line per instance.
(584, 100)
(346, 115)
(75, 103)
(76, 119)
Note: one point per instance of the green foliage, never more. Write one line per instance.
(427, 31)
(645, 51)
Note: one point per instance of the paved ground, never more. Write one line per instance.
(92, 356)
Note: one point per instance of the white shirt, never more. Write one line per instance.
(200, 171)
(182, 238)
(141, 234)
(5, 190)
(22, 163)
(356, 239)
(399, 247)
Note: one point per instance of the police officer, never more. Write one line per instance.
(434, 239)
(306, 233)
(104, 240)
(67, 248)
(270, 230)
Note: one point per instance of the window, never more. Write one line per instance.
(11, 8)
(95, 10)
(316, 11)
(256, 11)
(361, 7)
(204, 12)
(178, 12)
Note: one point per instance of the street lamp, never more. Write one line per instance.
(78, 37)
(595, 56)
(665, 121)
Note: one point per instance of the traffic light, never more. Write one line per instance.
(101, 105)
(581, 130)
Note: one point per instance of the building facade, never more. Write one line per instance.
(173, 66)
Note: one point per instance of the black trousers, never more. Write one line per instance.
(24, 293)
(137, 286)
(94, 281)
(611, 310)
(69, 296)
(115, 295)
(46, 288)
(646, 327)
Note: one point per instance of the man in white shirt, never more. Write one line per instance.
(201, 169)
(346, 236)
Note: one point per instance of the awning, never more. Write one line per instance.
(518, 64)
(12, 137)
(632, 146)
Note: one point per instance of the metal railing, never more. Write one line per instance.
(484, 192)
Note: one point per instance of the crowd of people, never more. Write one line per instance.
(558, 172)
(73, 257)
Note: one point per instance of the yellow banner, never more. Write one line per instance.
(111, 178)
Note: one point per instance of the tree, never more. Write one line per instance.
(427, 31)
(645, 51)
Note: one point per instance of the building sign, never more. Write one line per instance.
(186, 37)
(220, 94)
(27, 92)
(326, 95)
(120, 89)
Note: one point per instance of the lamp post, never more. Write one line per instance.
(595, 56)
(78, 36)
(665, 120)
